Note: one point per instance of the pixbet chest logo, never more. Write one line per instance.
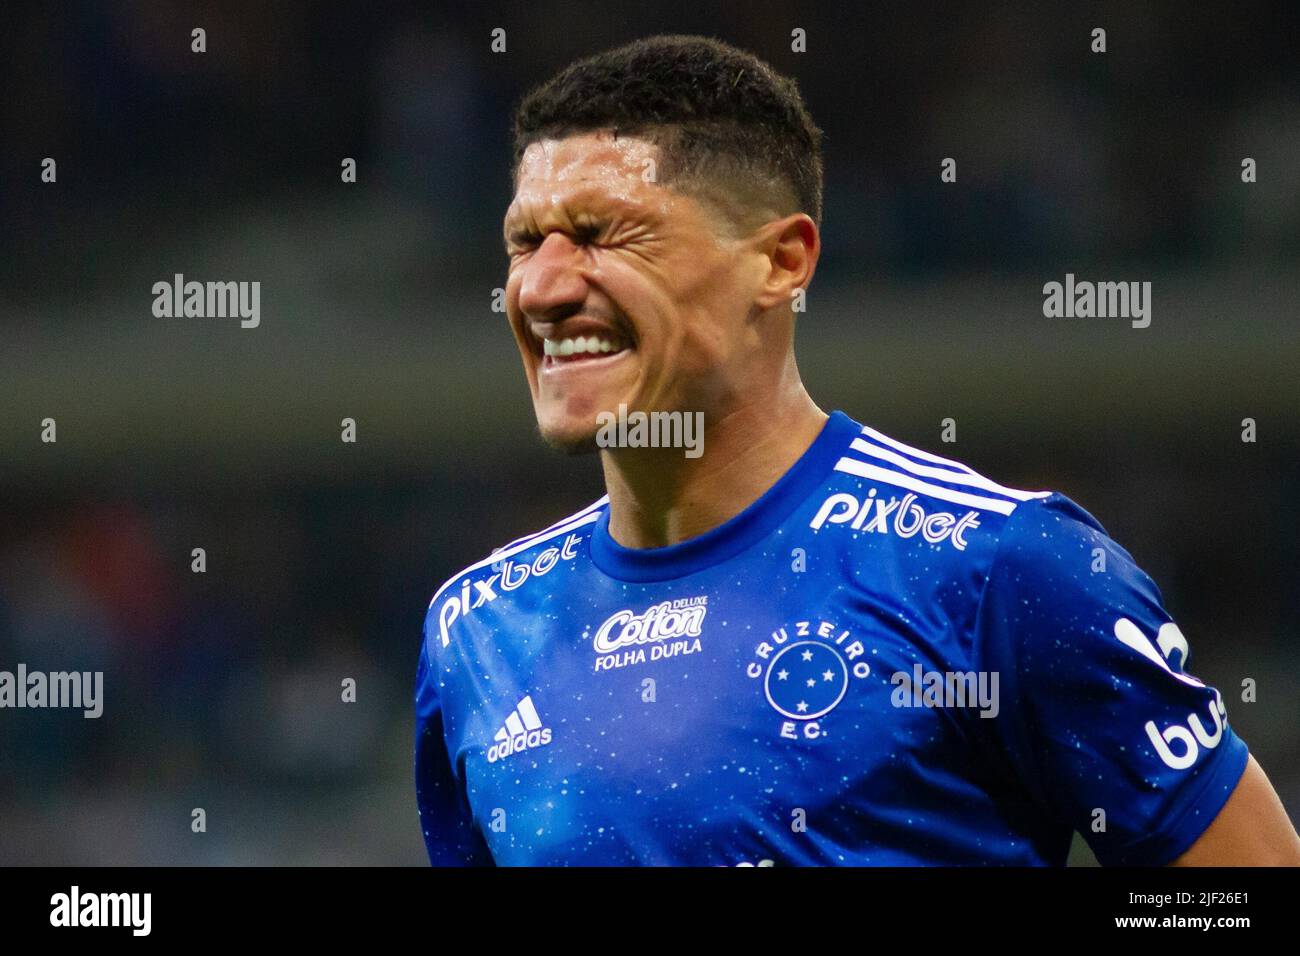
(806, 670)
(873, 515)
(669, 628)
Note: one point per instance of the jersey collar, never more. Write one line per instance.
(732, 537)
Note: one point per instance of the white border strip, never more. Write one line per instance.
(573, 517)
(955, 477)
(496, 556)
(899, 446)
(860, 468)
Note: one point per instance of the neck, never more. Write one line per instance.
(659, 497)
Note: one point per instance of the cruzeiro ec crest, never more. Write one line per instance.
(806, 670)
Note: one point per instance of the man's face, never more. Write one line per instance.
(620, 290)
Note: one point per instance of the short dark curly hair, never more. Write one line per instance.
(730, 130)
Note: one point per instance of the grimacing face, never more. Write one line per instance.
(622, 291)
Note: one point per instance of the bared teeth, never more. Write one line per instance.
(579, 345)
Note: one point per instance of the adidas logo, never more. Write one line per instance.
(523, 729)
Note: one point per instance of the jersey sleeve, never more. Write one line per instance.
(449, 833)
(1097, 712)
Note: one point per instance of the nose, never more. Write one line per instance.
(552, 285)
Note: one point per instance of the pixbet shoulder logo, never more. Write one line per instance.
(507, 576)
(1178, 745)
(671, 628)
(806, 671)
(909, 518)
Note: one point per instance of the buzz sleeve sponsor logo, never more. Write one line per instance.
(806, 671)
(506, 576)
(671, 628)
(1179, 745)
(873, 515)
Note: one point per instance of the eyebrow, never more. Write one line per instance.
(605, 208)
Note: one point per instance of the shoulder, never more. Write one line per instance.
(903, 491)
(1021, 531)
(1054, 553)
(1033, 568)
(506, 568)
(529, 542)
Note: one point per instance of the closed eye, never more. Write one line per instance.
(522, 239)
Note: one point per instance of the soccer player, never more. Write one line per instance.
(800, 641)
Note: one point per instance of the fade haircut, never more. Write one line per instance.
(730, 131)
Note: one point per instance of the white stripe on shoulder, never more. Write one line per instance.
(594, 506)
(966, 477)
(854, 466)
(908, 449)
(587, 516)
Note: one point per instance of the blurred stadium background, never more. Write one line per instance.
(222, 689)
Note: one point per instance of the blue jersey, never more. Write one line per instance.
(886, 659)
